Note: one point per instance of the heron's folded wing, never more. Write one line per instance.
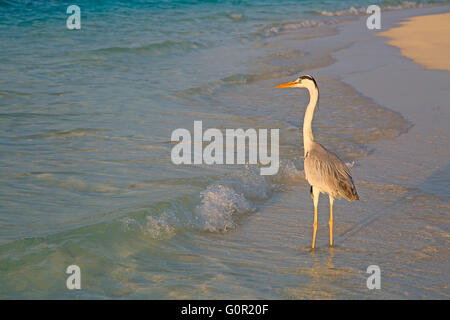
(326, 171)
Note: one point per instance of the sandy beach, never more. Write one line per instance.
(424, 39)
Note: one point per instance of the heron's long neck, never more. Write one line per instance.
(307, 131)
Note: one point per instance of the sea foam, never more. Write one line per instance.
(352, 11)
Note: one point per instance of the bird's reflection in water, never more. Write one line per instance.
(330, 258)
(321, 273)
(316, 259)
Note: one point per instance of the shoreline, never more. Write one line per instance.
(400, 222)
(380, 72)
(423, 39)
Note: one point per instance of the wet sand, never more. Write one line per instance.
(402, 220)
(413, 170)
(421, 95)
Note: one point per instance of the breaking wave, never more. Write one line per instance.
(352, 11)
(227, 200)
(273, 30)
(217, 209)
(337, 16)
(221, 204)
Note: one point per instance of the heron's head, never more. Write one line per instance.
(301, 82)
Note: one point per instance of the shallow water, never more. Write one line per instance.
(86, 177)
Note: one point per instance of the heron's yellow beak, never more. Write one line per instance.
(287, 85)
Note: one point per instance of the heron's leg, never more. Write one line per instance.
(316, 202)
(330, 223)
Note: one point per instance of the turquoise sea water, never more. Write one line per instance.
(85, 123)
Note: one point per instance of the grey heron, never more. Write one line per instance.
(324, 171)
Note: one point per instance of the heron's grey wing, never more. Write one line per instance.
(324, 170)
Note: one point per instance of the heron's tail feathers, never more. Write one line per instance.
(349, 191)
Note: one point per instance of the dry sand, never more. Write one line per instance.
(424, 39)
